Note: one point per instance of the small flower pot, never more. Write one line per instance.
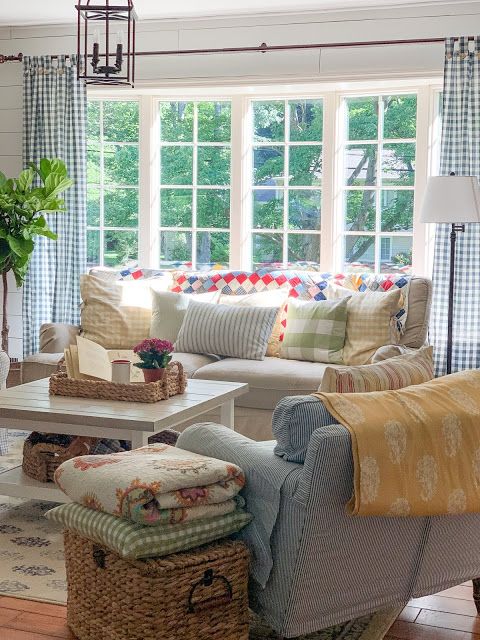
(153, 375)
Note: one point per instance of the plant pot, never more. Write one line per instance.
(153, 375)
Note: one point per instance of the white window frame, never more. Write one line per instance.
(285, 188)
(103, 187)
(379, 142)
(194, 186)
(331, 233)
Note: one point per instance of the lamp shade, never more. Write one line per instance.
(452, 200)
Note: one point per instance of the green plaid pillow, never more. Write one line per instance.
(315, 331)
(135, 541)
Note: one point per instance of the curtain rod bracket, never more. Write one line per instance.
(17, 58)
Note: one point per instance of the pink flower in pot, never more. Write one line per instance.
(154, 357)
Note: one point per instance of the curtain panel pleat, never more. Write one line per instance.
(460, 153)
(54, 126)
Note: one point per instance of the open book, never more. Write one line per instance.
(88, 360)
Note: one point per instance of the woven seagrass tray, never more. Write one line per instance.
(199, 594)
(173, 383)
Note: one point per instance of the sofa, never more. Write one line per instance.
(270, 379)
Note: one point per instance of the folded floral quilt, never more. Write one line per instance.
(153, 485)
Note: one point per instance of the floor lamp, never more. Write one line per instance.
(451, 200)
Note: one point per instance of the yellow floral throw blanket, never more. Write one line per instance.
(416, 451)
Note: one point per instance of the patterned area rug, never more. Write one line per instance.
(32, 564)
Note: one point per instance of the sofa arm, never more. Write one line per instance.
(56, 336)
(40, 365)
(265, 475)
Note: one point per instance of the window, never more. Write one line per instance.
(313, 177)
(112, 181)
(378, 182)
(286, 182)
(195, 184)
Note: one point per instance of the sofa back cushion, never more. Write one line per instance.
(169, 309)
(237, 332)
(294, 420)
(419, 304)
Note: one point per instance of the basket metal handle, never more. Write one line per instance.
(99, 555)
(207, 580)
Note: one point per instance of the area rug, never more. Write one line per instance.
(32, 564)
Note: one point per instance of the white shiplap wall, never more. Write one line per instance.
(437, 19)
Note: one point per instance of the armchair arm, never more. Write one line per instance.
(327, 477)
(57, 336)
(265, 475)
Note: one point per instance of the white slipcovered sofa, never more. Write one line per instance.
(269, 380)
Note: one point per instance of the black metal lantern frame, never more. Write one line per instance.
(101, 66)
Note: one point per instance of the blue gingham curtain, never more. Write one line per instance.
(460, 152)
(54, 123)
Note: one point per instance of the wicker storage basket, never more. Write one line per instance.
(40, 461)
(195, 595)
(172, 384)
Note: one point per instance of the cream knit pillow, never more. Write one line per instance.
(115, 314)
(371, 324)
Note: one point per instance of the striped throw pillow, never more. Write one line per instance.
(237, 332)
(394, 373)
(315, 331)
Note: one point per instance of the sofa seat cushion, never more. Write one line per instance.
(193, 361)
(42, 365)
(270, 380)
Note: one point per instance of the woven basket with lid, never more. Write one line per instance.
(199, 594)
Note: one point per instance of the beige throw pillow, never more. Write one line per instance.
(169, 309)
(115, 314)
(265, 299)
(371, 324)
(394, 373)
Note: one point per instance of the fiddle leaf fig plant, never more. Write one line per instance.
(23, 203)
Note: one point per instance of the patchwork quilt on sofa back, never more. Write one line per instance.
(303, 285)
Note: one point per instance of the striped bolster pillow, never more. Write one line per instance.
(388, 375)
(237, 332)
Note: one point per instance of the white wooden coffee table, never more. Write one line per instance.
(30, 407)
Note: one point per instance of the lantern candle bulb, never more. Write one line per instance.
(96, 48)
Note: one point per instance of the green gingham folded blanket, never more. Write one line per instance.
(136, 541)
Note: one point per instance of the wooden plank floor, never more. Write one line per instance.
(450, 615)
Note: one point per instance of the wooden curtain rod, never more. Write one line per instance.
(264, 48)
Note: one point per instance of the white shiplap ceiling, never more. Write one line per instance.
(24, 12)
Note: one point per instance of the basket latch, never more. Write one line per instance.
(99, 556)
(207, 580)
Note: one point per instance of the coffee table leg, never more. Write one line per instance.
(476, 593)
(139, 439)
(227, 414)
